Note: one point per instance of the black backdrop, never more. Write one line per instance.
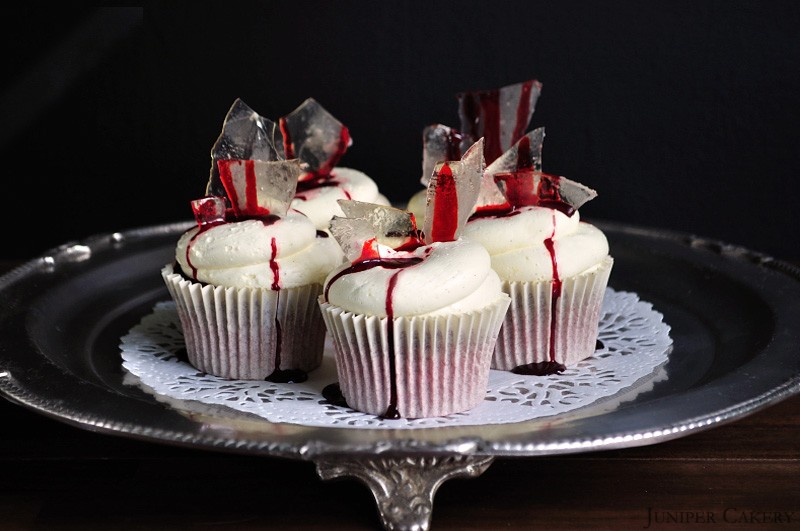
(683, 115)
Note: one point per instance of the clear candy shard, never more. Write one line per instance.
(245, 135)
(501, 116)
(525, 154)
(452, 193)
(440, 143)
(534, 188)
(364, 222)
(518, 176)
(313, 135)
(258, 188)
(209, 210)
(572, 192)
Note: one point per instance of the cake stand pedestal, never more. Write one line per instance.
(403, 485)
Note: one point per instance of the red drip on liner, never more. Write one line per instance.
(392, 411)
(556, 290)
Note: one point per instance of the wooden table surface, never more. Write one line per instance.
(740, 475)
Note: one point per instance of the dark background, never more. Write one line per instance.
(683, 115)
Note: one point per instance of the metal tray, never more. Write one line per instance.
(733, 312)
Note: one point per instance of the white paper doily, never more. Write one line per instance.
(635, 346)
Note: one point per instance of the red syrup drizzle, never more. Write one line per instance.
(486, 105)
(494, 211)
(551, 366)
(524, 161)
(251, 209)
(288, 147)
(280, 375)
(550, 196)
(317, 182)
(324, 171)
(189, 245)
(556, 289)
(445, 207)
(332, 393)
(392, 411)
(523, 110)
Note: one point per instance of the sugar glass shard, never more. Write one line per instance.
(313, 135)
(364, 222)
(500, 116)
(259, 188)
(209, 210)
(245, 135)
(534, 188)
(452, 193)
(525, 154)
(440, 143)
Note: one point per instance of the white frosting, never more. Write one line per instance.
(453, 277)
(320, 204)
(240, 254)
(516, 243)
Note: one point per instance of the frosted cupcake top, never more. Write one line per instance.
(529, 221)
(524, 246)
(249, 238)
(321, 203)
(395, 270)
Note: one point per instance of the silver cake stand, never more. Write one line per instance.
(733, 315)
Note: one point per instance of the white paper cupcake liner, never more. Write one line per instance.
(441, 363)
(232, 332)
(525, 335)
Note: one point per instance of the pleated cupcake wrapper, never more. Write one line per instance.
(441, 363)
(525, 335)
(232, 332)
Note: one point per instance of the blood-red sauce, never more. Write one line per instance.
(250, 208)
(445, 207)
(278, 375)
(315, 183)
(523, 111)
(556, 290)
(494, 211)
(332, 393)
(481, 114)
(392, 410)
(551, 366)
(524, 160)
(481, 111)
(288, 146)
(327, 166)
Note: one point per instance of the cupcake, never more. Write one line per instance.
(499, 116)
(413, 316)
(246, 279)
(313, 136)
(554, 266)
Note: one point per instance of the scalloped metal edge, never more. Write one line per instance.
(473, 446)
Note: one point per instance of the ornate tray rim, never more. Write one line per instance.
(260, 437)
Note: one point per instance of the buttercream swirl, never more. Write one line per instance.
(276, 253)
(447, 277)
(516, 243)
(319, 203)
